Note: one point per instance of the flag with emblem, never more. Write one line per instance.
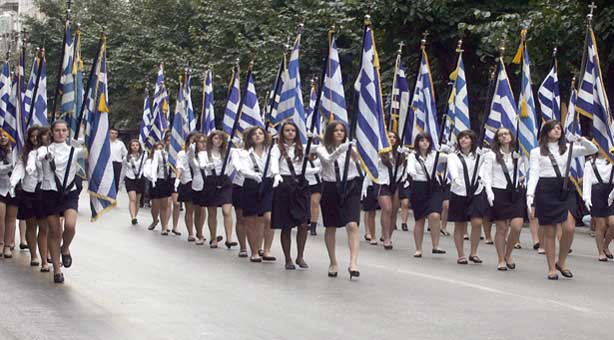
(180, 128)
(145, 126)
(527, 124)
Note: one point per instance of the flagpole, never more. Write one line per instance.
(41, 56)
(489, 95)
(354, 120)
(589, 29)
(62, 55)
(397, 65)
(101, 42)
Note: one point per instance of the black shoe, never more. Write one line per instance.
(66, 260)
(45, 269)
(23, 246)
(164, 233)
(462, 260)
(475, 259)
(502, 268)
(230, 244)
(511, 266)
(34, 263)
(243, 253)
(290, 266)
(134, 221)
(565, 272)
(219, 238)
(58, 278)
(609, 256)
(312, 229)
(404, 227)
(332, 274)
(176, 233)
(353, 273)
(536, 246)
(388, 247)
(153, 225)
(269, 258)
(260, 252)
(438, 251)
(553, 277)
(255, 259)
(570, 251)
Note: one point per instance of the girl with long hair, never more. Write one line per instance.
(157, 171)
(555, 204)
(597, 184)
(339, 209)
(134, 164)
(199, 198)
(505, 194)
(173, 207)
(183, 183)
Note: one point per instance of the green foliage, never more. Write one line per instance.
(215, 33)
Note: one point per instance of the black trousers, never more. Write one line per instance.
(117, 171)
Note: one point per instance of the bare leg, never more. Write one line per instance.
(513, 238)
(301, 240)
(354, 243)
(329, 239)
(567, 228)
(370, 224)
(419, 236)
(22, 233)
(31, 239)
(444, 215)
(55, 237)
(164, 216)
(459, 233)
(315, 212)
(286, 245)
(240, 229)
(434, 223)
(253, 226)
(189, 218)
(174, 204)
(132, 204)
(212, 221)
(43, 234)
(476, 231)
(385, 204)
(269, 234)
(2, 228)
(487, 229)
(550, 247)
(9, 223)
(227, 212)
(500, 237)
(70, 226)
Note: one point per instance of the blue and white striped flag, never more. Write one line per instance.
(101, 185)
(250, 111)
(461, 120)
(5, 97)
(399, 105)
(592, 99)
(332, 102)
(232, 104)
(273, 100)
(179, 129)
(159, 108)
(503, 112)
(207, 117)
(146, 121)
(370, 131)
(27, 98)
(291, 98)
(317, 125)
(66, 91)
(576, 172)
(39, 115)
(549, 96)
(527, 134)
(423, 102)
(189, 107)
(448, 127)
(15, 109)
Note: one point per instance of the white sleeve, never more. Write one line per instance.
(275, 154)
(487, 168)
(533, 171)
(583, 148)
(326, 157)
(587, 181)
(411, 165)
(18, 173)
(31, 162)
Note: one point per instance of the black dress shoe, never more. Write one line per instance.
(332, 274)
(269, 258)
(565, 272)
(438, 251)
(290, 266)
(536, 246)
(58, 278)
(353, 273)
(475, 259)
(66, 260)
(511, 265)
(502, 268)
(609, 256)
(219, 238)
(230, 244)
(23, 246)
(255, 259)
(134, 221)
(553, 277)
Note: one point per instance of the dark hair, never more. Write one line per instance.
(222, 135)
(191, 135)
(419, 138)
(496, 145)
(543, 137)
(388, 156)
(113, 129)
(472, 136)
(329, 140)
(197, 139)
(135, 141)
(44, 131)
(249, 133)
(154, 147)
(298, 145)
(28, 145)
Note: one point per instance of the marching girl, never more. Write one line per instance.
(237, 197)
(339, 209)
(291, 196)
(505, 194)
(8, 203)
(315, 187)
(597, 184)
(258, 191)
(394, 178)
(427, 192)
(59, 194)
(27, 173)
(467, 200)
(183, 183)
(218, 188)
(157, 171)
(554, 206)
(369, 205)
(173, 206)
(199, 200)
(134, 164)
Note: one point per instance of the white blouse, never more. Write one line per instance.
(26, 174)
(218, 160)
(248, 167)
(328, 160)
(198, 164)
(541, 167)
(6, 167)
(456, 172)
(59, 153)
(183, 163)
(313, 172)
(118, 151)
(493, 175)
(604, 167)
(415, 169)
(157, 167)
(134, 166)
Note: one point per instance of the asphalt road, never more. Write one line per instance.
(130, 283)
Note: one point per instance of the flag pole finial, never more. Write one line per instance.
(459, 46)
(68, 9)
(301, 28)
(423, 40)
(367, 20)
(251, 66)
(554, 51)
(400, 51)
(589, 16)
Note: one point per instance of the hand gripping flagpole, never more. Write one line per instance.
(60, 67)
(101, 42)
(41, 56)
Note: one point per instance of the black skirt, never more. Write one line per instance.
(185, 193)
(316, 188)
(55, 203)
(508, 205)
(425, 200)
(237, 202)
(8, 200)
(463, 208)
(337, 212)
(369, 202)
(551, 207)
(599, 200)
(257, 202)
(163, 189)
(136, 185)
(218, 191)
(446, 192)
(30, 206)
(199, 198)
(404, 193)
(291, 204)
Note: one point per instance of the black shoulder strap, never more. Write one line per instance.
(423, 166)
(465, 174)
(555, 165)
(506, 173)
(255, 163)
(202, 171)
(209, 161)
(611, 173)
(596, 172)
(318, 176)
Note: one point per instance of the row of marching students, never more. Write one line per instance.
(40, 186)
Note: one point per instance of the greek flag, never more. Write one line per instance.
(250, 111)
(15, 110)
(39, 116)
(448, 127)
(27, 99)
(207, 118)
(399, 105)
(66, 91)
(291, 98)
(592, 99)
(527, 136)
(6, 120)
(273, 100)
(101, 185)
(461, 120)
(179, 127)
(74, 95)
(160, 108)
(576, 172)
(549, 96)
(232, 104)
(370, 132)
(503, 112)
(145, 127)
(313, 96)
(332, 102)
(191, 117)
(423, 102)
